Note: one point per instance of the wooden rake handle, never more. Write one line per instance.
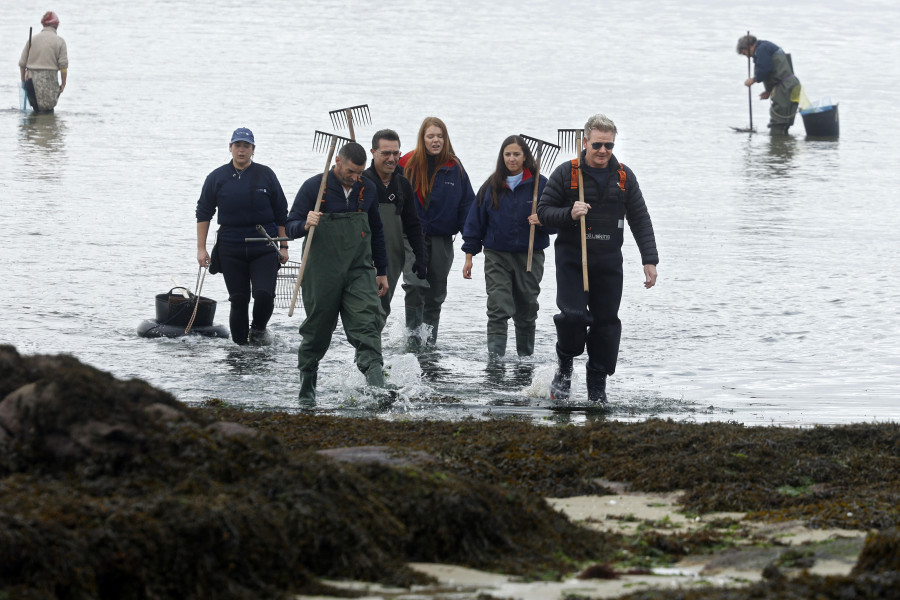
(534, 201)
(312, 229)
(584, 268)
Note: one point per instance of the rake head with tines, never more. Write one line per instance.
(570, 139)
(544, 152)
(346, 117)
(322, 140)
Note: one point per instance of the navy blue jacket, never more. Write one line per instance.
(505, 229)
(334, 201)
(762, 60)
(243, 202)
(448, 205)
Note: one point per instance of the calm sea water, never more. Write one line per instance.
(777, 300)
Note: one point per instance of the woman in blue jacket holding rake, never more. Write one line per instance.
(500, 222)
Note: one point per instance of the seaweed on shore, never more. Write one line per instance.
(113, 489)
(843, 476)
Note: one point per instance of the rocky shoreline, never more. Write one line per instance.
(114, 489)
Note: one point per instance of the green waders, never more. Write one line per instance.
(784, 88)
(339, 280)
(424, 297)
(396, 244)
(512, 292)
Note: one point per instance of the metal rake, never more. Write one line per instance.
(345, 117)
(544, 152)
(570, 139)
(322, 140)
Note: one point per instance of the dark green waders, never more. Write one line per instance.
(512, 292)
(395, 243)
(339, 280)
(784, 95)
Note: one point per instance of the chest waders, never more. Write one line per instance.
(396, 251)
(785, 93)
(590, 319)
(340, 281)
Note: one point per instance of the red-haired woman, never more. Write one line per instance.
(443, 197)
(500, 222)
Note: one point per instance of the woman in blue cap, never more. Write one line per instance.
(246, 194)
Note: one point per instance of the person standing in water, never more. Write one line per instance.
(500, 222)
(43, 56)
(346, 269)
(246, 194)
(773, 68)
(611, 196)
(398, 212)
(443, 197)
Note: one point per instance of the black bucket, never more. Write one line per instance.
(175, 309)
(822, 122)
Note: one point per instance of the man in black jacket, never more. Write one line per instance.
(398, 212)
(611, 195)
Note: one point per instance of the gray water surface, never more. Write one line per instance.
(777, 297)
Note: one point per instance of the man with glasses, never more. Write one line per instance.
(402, 230)
(611, 195)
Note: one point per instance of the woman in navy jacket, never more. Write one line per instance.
(500, 221)
(246, 194)
(443, 196)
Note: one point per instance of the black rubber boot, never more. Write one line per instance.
(596, 386)
(525, 340)
(259, 337)
(562, 380)
(308, 387)
(496, 346)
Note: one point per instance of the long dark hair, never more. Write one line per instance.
(497, 181)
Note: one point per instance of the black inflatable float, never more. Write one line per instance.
(173, 313)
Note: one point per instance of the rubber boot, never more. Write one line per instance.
(308, 387)
(384, 393)
(596, 386)
(260, 337)
(375, 377)
(525, 340)
(562, 380)
(496, 346)
(431, 342)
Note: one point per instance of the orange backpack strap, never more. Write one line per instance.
(360, 201)
(573, 185)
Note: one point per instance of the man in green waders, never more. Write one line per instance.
(339, 278)
(773, 68)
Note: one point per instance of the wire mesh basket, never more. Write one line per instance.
(284, 284)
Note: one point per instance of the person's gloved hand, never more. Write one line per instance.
(420, 268)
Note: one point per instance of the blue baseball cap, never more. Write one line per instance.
(242, 134)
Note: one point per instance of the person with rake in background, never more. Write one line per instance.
(772, 67)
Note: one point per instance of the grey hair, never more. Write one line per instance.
(600, 123)
(745, 42)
